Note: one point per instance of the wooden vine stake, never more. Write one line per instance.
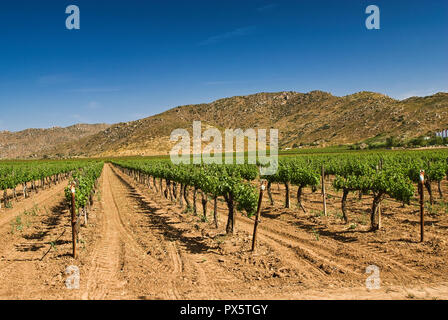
(422, 204)
(72, 189)
(324, 197)
(257, 216)
(378, 208)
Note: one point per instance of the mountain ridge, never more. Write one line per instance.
(33, 142)
(317, 118)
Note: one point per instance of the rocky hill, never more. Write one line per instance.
(34, 143)
(317, 118)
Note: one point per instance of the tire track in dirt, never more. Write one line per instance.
(317, 253)
(116, 244)
(322, 257)
(104, 279)
(291, 258)
(6, 215)
(350, 258)
(368, 251)
(21, 253)
(178, 268)
(184, 264)
(397, 262)
(290, 254)
(105, 261)
(293, 253)
(297, 249)
(175, 263)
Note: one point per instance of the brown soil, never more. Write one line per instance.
(138, 245)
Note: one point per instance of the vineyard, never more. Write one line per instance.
(379, 175)
(32, 176)
(149, 229)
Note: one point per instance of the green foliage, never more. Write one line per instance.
(297, 171)
(316, 234)
(17, 225)
(246, 197)
(14, 173)
(84, 180)
(33, 212)
(392, 173)
(229, 181)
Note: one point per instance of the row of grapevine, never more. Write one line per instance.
(79, 195)
(228, 181)
(295, 171)
(13, 174)
(85, 181)
(381, 174)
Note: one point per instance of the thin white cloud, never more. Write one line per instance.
(240, 32)
(418, 93)
(79, 118)
(267, 7)
(94, 105)
(51, 79)
(218, 83)
(93, 90)
(138, 115)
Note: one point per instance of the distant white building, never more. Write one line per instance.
(442, 134)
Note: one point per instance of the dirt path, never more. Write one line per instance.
(6, 215)
(28, 242)
(159, 260)
(103, 276)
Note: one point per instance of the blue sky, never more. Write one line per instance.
(133, 59)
